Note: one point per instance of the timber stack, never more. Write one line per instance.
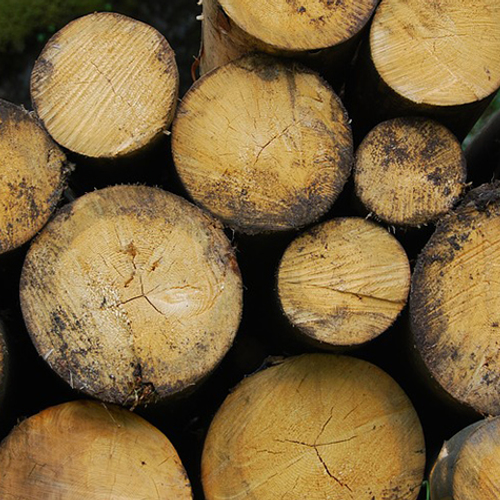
(216, 306)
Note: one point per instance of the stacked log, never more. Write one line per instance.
(86, 449)
(467, 466)
(131, 294)
(134, 296)
(315, 426)
(262, 144)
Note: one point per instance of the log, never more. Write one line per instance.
(467, 467)
(343, 282)
(262, 144)
(409, 171)
(131, 294)
(315, 426)
(85, 449)
(455, 302)
(105, 85)
(438, 59)
(323, 35)
(32, 172)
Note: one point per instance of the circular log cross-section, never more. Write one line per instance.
(316, 426)
(308, 29)
(343, 282)
(468, 467)
(88, 450)
(455, 302)
(440, 53)
(105, 85)
(131, 294)
(32, 176)
(409, 171)
(262, 144)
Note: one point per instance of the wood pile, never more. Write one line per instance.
(292, 272)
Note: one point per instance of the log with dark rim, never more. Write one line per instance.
(263, 144)
(132, 294)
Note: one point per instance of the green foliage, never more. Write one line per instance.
(21, 19)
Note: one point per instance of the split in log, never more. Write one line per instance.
(314, 427)
(105, 85)
(131, 294)
(440, 59)
(322, 34)
(343, 282)
(32, 176)
(455, 302)
(89, 450)
(409, 171)
(467, 467)
(4, 366)
(263, 144)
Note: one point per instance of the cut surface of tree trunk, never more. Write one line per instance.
(343, 282)
(262, 144)
(309, 30)
(440, 53)
(131, 294)
(314, 427)
(92, 451)
(468, 466)
(438, 59)
(409, 171)
(455, 302)
(32, 176)
(105, 85)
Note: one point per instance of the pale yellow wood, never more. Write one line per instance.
(314, 32)
(316, 426)
(439, 52)
(343, 282)
(300, 24)
(92, 451)
(468, 465)
(455, 302)
(105, 85)
(131, 294)
(409, 171)
(32, 175)
(262, 144)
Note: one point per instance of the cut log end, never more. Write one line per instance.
(132, 294)
(262, 144)
(86, 450)
(300, 25)
(343, 282)
(455, 302)
(439, 53)
(307, 427)
(105, 85)
(32, 173)
(467, 467)
(409, 171)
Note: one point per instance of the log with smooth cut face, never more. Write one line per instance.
(105, 85)
(343, 282)
(439, 53)
(409, 171)
(90, 450)
(32, 176)
(468, 467)
(262, 144)
(315, 426)
(300, 25)
(455, 302)
(131, 294)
